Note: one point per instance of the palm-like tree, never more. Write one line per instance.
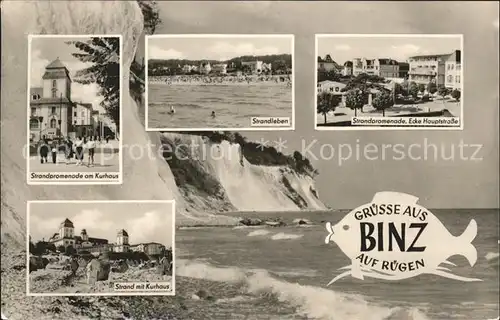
(103, 53)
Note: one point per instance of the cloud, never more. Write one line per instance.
(343, 47)
(153, 226)
(224, 49)
(406, 50)
(158, 53)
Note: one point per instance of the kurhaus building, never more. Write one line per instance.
(66, 237)
(53, 113)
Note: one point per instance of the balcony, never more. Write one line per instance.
(423, 72)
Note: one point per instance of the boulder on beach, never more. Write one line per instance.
(302, 221)
(120, 266)
(97, 270)
(251, 222)
(37, 263)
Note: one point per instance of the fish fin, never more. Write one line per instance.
(454, 276)
(443, 269)
(345, 268)
(340, 276)
(467, 249)
(449, 263)
(356, 272)
(329, 228)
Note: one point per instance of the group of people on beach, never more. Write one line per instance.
(72, 149)
(227, 79)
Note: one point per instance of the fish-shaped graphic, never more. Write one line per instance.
(402, 240)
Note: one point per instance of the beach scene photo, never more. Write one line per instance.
(389, 81)
(100, 248)
(219, 81)
(254, 209)
(74, 109)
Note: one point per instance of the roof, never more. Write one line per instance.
(83, 231)
(56, 74)
(387, 61)
(85, 105)
(431, 56)
(56, 64)
(122, 232)
(93, 240)
(63, 100)
(331, 82)
(348, 64)
(67, 223)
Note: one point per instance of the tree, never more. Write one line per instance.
(69, 251)
(104, 54)
(413, 90)
(455, 94)
(327, 102)
(151, 15)
(432, 87)
(421, 88)
(61, 249)
(443, 92)
(383, 101)
(328, 75)
(355, 99)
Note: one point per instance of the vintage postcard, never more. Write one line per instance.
(381, 81)
(74, 102)
(210, 82)
(101, 248)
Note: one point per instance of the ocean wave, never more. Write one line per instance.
(260, 232)
(310, 301)
(492, 256)
(286, 236)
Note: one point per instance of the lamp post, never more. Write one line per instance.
(60, 116)
(40, 119)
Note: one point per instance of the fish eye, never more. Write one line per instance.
(345, 227)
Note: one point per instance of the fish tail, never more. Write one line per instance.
(467, 248)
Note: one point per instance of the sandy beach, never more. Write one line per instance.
(280, 80)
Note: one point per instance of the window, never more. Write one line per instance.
(54, 93)
(81, 122)
(74, 122)
(33, 111)
(54, 84)
(74, 114)
(53, 123)
(452, 66)
(450, 78)
(53, 110)
(83, 114)
(457, 79)
(34, 124)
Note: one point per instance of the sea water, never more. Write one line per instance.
(293, 265)
(234, 105)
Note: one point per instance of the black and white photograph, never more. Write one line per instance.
(204, 82)
(101, 248)
(74, 110)
(386, 81)
(263, 218)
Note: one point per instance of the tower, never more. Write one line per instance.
(66, 233)
(56, 81)
(122, 244)
(84, 235)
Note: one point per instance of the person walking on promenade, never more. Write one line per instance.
(54, 150)
(68, 150)
(91, 148)
(79, 151)
(44, 151)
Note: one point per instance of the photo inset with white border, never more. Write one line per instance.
(386, 81)
(96, 248)
(74, 102)
(212, 81)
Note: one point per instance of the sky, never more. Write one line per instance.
(144, 222)
(220, 48)
(343, 49)
(439, 184)
(45, 50)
